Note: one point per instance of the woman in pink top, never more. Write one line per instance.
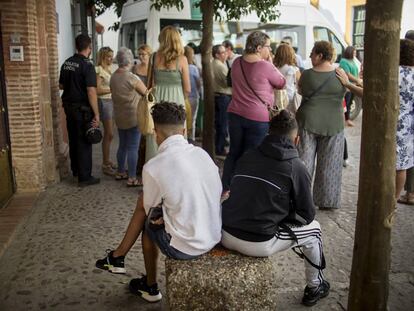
(254, 79)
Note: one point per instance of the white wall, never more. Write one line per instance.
(110, 38)
(65, 37)
(407, 20)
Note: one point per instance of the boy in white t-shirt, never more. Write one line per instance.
(179, 210)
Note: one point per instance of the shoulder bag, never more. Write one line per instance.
(281, 99)
(273, 110)
(144, 118)
(296, 100)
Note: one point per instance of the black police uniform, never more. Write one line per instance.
(76, 74)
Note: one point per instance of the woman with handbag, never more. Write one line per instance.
(285, 62)
(103, 75)
(321, 126)
(253, 81)
(170, 76)
(126, 89)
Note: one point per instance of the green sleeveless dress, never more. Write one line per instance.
(168, 87)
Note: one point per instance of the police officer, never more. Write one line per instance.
(78, 82)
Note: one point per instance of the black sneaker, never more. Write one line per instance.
(91, 181)
(149, 293)
(111, 263)
(312, 295)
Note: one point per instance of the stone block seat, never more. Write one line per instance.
(221, 280)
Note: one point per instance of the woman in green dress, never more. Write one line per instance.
(171, 76)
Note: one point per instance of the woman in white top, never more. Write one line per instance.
(285, 61)
(103, 75)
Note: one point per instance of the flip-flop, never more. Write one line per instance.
(134, 183)
(121, 176)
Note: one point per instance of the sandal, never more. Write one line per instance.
(407, 199)
(113, 165)
(121, 176)
(108, 169)
(134, 182)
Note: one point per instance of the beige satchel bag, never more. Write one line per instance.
(281, 99)
(144, 118)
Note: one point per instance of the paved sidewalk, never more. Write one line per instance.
(50, 263)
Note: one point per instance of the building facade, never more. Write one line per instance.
(30, 102)
(355, 22)
(33, 142)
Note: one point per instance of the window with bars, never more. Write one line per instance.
(359, 27)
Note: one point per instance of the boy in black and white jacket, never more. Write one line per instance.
(270, 208)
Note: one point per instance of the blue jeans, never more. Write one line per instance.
(221, 121)
(160, 237)
(128, 148)
(245, 134)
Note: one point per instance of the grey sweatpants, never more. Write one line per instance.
(326, 154)
(309, 238)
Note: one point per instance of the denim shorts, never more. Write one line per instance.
(106, 109)
(162, 239)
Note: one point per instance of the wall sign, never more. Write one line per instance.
(16, 53)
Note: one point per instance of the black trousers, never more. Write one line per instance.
(80, 151)
(348, 100)
(222, 102)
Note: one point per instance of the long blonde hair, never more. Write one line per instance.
(171, 46)
(102, 54)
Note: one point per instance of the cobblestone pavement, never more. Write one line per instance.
(50, 263)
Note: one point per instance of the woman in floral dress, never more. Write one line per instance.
(405, 125)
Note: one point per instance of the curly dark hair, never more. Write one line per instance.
(325, 48)
(168, 113)
(406, 52)
(283, 124)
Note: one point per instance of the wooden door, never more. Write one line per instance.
(6, 176)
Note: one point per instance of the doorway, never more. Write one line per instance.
(6, 176)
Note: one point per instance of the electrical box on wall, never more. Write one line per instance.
(16, 53)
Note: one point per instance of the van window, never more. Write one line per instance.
(339, 48)
(133, 35)
(278, 33)
(191, 30)
(320, 34)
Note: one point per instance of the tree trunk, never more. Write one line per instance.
(207, 10)
(376, 199)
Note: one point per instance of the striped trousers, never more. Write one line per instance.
(308, 238)
(324, 156)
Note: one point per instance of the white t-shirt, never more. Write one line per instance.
(186, 179)
(289, 72)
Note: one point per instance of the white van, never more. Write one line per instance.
(298, 19)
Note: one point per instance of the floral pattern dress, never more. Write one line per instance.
(405, 125)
